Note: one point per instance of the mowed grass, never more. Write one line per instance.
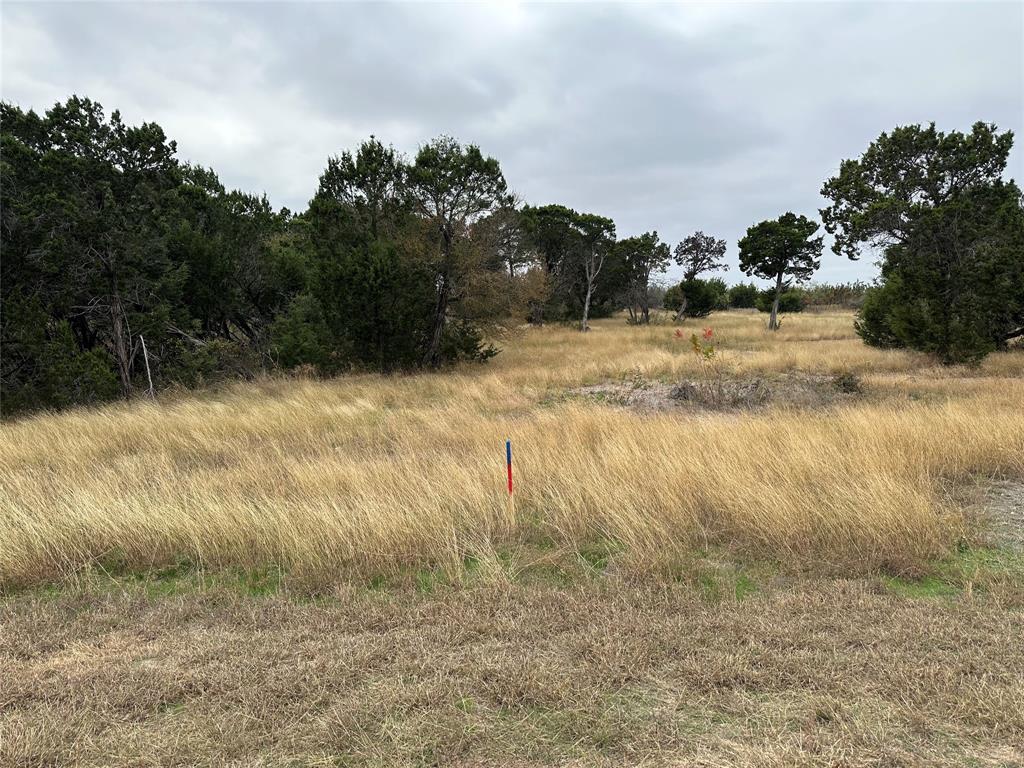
(373, 475)
(824, 672)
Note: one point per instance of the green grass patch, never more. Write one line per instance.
(598, 554)
(973, 568)
(929, 586)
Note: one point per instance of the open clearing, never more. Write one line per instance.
(327, 573)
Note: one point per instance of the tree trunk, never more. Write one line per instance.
(682, 310)
(149, 376)
(773, 320)
(119, 342)
(433, 356)
(586, 309)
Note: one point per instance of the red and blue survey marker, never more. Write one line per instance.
(508, 463)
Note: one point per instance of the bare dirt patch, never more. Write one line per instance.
(1002, 505)
(794, 390)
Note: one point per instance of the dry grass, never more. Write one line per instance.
(835, 673)
(375, 473)
(641, 606)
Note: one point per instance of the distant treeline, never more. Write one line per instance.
(706, 296)
(125, 270)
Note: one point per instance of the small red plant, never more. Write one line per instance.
(703, 347)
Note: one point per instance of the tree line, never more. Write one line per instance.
(126, 270)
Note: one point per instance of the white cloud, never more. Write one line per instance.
(668, 117)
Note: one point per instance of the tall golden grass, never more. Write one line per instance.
(377, 473)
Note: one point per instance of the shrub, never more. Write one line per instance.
(743, 296)
(791, 300)
(702, 296)
(955, 287)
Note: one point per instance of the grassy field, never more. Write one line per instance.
(378, 474)
(328, 572)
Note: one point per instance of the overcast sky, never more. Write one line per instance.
(666, 117)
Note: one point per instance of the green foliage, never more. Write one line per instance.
(791, 300)
(877, 198)
(299, 335)
(568, 245)
(743, 296)
(702, 296)
(452, 187)
(952, 232)
(641, 257)
(699, 253)
(109, 240)
(781, 250)
(872, 323)
(388, 257)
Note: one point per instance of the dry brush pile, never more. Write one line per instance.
(375, 473)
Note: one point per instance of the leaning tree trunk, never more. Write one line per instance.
(432, 358)
(586, 310)
(120, 344)
(773, 320)
(682, 310)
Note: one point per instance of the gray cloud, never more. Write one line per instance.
(667, 117)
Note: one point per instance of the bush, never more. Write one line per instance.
(872, 323)
(299, 336)
(464, 341)
(55, 373)
(702, 296)
(847, 295)
(743, 296)
(791, 300)
(959, 301)
(190, 365)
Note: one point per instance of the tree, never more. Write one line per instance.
(451, 187)
(372, 292)
(781, 248)
(502, 235)
(697, 254)
(699, 297)
(550, 232)
(877, 199)
(503, 243)
(949, 230)
(954, 287)
(240, 271)
(88, 202)
(371, 185)
(642, 256)
(580, 263)
(596, 242)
